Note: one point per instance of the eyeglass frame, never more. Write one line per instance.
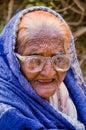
(25, 58)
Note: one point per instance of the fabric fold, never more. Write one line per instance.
(20, 106)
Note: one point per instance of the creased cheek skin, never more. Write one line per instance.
(61, 76)
(30, 76)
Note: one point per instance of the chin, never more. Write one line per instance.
(45, 90)
(46, 94)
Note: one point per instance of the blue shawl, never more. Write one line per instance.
(20, 107)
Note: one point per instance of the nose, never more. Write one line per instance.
(48, 70)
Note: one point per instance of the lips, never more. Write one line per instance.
(45, 81)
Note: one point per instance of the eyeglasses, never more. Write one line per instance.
(36, 63)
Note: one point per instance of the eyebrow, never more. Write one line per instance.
(40, 54)
(60, 53)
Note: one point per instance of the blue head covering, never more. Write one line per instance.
(20, 107)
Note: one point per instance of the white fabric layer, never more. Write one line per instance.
(61, 101)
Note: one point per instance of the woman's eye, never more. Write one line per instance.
(34, 62)
(59, 60)
(38, 61)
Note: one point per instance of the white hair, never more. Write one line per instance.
(32, 22)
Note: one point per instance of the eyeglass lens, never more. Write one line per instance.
(37, 63)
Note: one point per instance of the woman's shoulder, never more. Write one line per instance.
(12, 118)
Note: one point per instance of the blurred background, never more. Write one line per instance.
(73, 11)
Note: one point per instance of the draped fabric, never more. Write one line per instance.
(20, 107)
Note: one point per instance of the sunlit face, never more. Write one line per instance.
(47, 43)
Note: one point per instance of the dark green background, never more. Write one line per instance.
(73, 11)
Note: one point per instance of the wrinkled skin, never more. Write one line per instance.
(47, 43)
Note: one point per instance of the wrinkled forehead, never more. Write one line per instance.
(39, 24)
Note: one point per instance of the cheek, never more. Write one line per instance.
(26, 73)
(61, 76)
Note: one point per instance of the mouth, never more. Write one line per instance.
(46, 81)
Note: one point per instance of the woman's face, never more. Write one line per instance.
(47, 44)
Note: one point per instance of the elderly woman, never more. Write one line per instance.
(41, 85)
